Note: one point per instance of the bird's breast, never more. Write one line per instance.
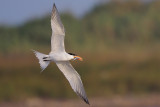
(59, 57)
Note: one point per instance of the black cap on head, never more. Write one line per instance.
(72, 54)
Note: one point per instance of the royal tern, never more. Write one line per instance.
(61, 57)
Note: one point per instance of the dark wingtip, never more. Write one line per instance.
(54, 9)
(54, 5)
(86, 100)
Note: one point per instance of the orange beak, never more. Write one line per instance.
(78, 57)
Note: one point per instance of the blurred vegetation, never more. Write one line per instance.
(119, 42)
(109, 24)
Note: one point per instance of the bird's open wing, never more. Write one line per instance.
(73, 78)
(58, 32)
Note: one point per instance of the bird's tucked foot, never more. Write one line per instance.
(45, 57)
(46, 60)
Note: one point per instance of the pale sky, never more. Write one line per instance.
(14, 12)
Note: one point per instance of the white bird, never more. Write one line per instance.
(61, 57)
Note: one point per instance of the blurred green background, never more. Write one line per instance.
(119, 41)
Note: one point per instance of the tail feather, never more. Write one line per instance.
(43, 63)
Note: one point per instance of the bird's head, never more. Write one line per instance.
(76, 56)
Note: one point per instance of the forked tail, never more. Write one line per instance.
(42, 59)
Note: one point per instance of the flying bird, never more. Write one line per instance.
(61, 57)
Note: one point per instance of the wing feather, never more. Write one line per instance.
(74, 79)
(58, 32)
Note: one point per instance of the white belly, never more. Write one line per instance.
(60, 57)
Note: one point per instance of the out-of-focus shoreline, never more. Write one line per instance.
(118, 101)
